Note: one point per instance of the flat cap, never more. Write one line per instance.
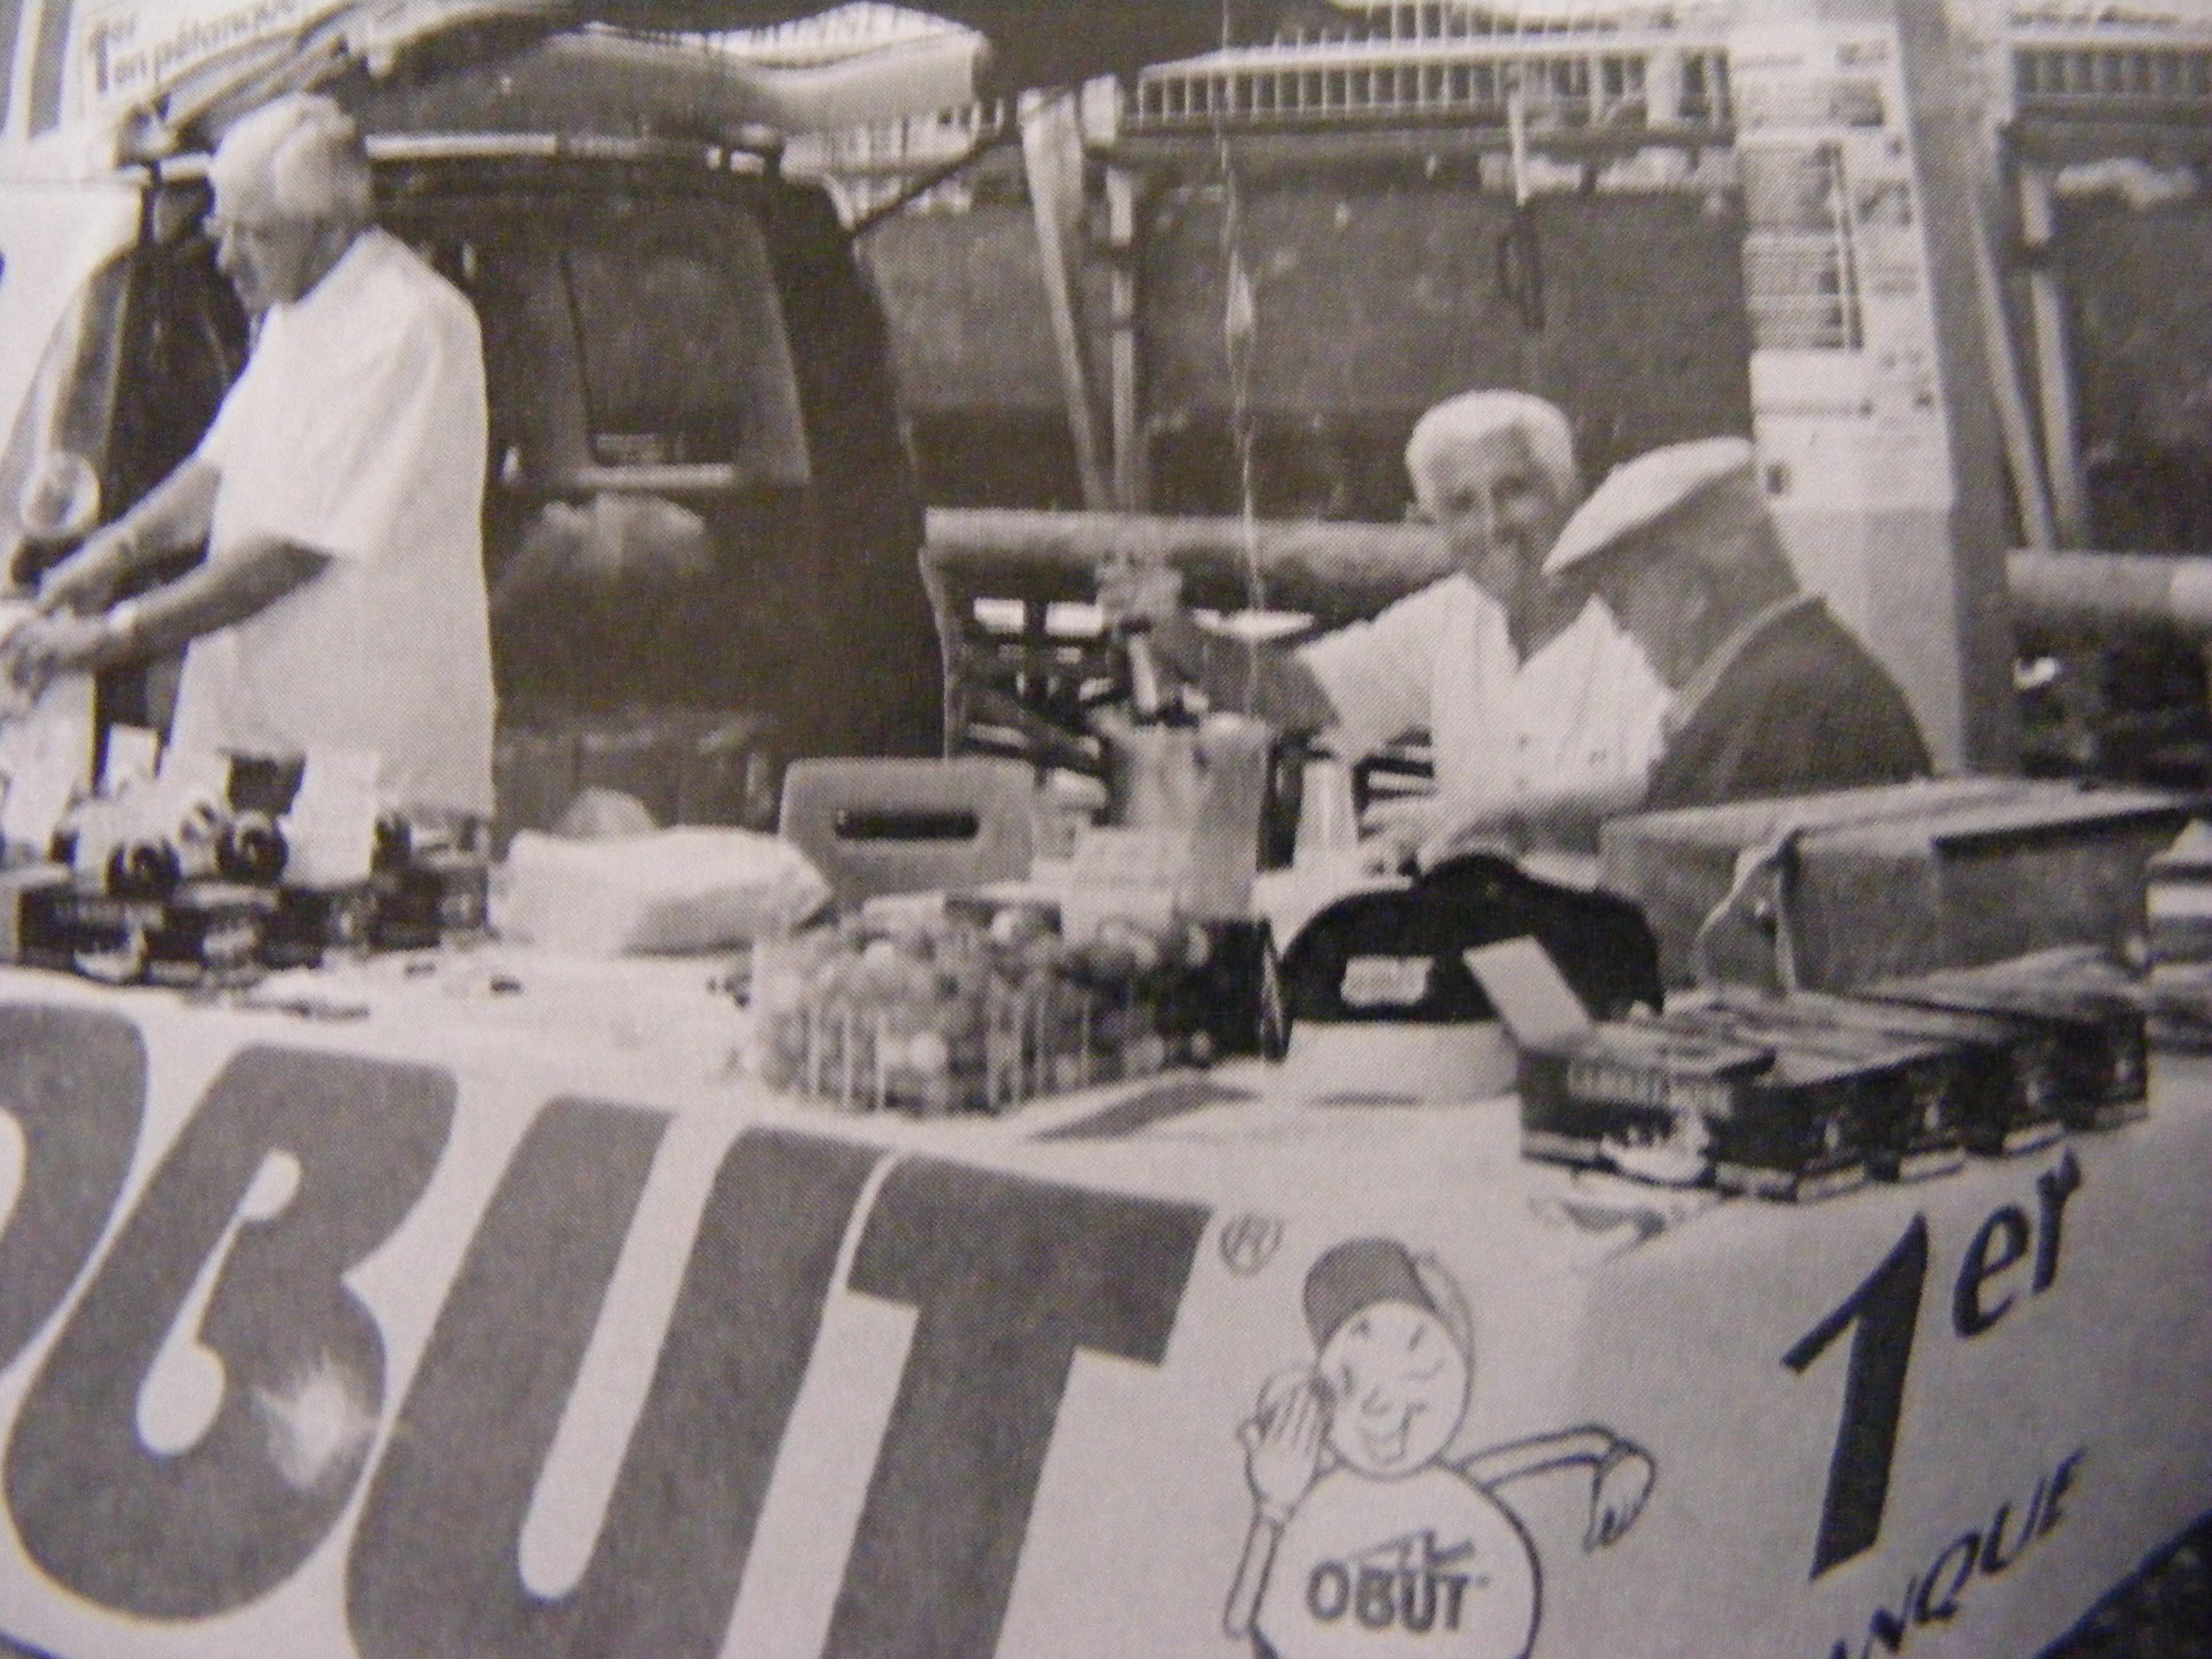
(1637, 495)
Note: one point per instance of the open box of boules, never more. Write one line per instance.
(2008, 1076)
(1635, 1097)
(1910, 1091)
(2096, 1033)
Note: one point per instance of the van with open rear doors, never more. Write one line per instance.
(702, 525)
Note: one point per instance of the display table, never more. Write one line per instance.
(491, 1311)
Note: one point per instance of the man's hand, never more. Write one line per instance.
(45, 646)
(1618, 1490)
(1393, 832)
(1457, 828)
(1283, 1440)
(85, 581)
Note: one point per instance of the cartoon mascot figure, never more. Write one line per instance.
(1367, 1539)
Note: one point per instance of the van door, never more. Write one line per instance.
(53, 237)
(130, 378)
(877, 632)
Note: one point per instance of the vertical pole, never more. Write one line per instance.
(1052, 157)
(49, 69)
(2023, 458)
(1129, 469)
(1948, 121)
(2054, 378)
(11, 24)
(1663, 88)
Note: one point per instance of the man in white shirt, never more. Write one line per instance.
(1529, 702)
(339, 493)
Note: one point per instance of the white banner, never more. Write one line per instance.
(122, 52)
(394, 1343)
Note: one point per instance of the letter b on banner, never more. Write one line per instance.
(201, 1421)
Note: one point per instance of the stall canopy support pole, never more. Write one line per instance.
(2054, 380)
(1946, 122)
(2023, 462)
(1052, 158)
(1129, 481)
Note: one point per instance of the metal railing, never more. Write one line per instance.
(1597, 67)
(1619, 84)
(1665, 91)
(890, 149)
(2139, 80)
(1453, 20)
(830, 36)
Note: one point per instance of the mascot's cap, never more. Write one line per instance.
(1356, 1274)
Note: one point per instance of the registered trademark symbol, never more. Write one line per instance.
(1249, 1242)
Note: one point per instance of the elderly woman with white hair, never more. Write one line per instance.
(1529, 699)
(338, 493)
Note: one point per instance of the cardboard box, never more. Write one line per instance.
(80, 930)
(2011, 1074)
(2097, 1033)
(208, 933)
(1634, 1097)
(2179, 898)
(1806, 1131)
(434, 898)
(17, 887)
(1670, 1102)
(1895, 880)
(312, 923)
(1912, 1090)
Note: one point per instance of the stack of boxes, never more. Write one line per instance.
(1917, 975)
(156, 882)
(1803, 1096)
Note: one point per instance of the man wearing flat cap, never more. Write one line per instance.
(1772, 695)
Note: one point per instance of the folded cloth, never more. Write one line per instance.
(692, 887)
